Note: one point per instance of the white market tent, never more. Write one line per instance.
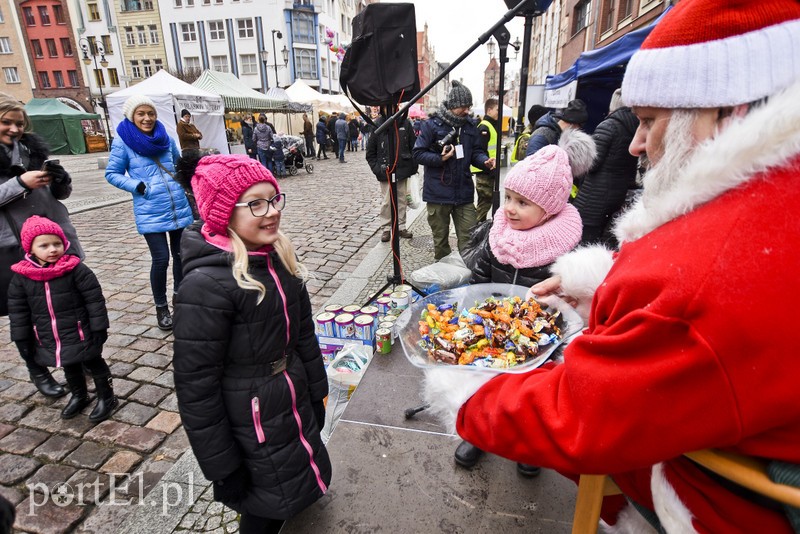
(170, 95)
(236, 95)
(301, 92)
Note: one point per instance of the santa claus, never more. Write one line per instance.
(692, 333)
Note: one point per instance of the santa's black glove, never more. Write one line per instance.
(99, 337)
(58, 174)
(141, 188)
(233, 488)
(319, 413)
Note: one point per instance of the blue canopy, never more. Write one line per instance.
(616, 54)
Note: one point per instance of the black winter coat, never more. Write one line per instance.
(234, 409)
(378, 152)
(332, 127)
(78, 310)
(448, 182)
(613, 173)
(485, 267)
(247, 137)
(546, 132)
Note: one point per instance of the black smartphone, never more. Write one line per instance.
(49, 162)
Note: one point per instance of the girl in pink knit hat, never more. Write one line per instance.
(249, 374)
(58, 315)
(535, 226)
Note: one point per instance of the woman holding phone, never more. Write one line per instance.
(28, 187)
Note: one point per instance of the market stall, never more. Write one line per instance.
(66, 130)
(170, 96)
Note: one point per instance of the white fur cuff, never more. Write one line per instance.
(582, 271)
(446, 390)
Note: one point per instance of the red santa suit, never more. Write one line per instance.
(691, 341)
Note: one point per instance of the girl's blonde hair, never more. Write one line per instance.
(241, 263)
(7, 103)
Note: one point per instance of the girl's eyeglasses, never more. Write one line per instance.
(260, 206)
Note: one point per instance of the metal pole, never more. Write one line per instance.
(523, 76)
(501, 91)
(275, 59)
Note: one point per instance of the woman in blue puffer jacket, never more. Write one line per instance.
(142, 162)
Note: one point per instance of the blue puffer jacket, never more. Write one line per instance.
(163, 206)
(449, 182)
(546, 131)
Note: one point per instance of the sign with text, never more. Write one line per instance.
(199, 105)
(560, 97)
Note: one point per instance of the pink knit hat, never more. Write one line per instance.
(219, 181)
(545, 178)
(36, 226)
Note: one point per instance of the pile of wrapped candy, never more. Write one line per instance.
(497, 333)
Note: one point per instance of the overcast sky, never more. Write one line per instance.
(455, 25)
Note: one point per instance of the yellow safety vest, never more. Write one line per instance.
(491, 149)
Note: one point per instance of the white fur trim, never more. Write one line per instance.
(765, 138)
(446, 390)
(582, 271)
(675, 517)
(725, 72)
(629, 521)
(580, 148)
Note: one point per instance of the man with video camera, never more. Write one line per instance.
(447, 145)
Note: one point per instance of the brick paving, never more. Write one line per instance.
(331, 216)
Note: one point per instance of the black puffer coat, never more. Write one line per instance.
(235, 410)
(613, 173)
(485, 267)
(378, 152)
(61, 313)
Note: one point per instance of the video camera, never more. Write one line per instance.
(448, 140)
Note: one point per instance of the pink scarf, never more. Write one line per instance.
(538, 246)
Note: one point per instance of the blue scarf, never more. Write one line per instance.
(140, 142)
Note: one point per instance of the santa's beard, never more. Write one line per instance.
(679, 144)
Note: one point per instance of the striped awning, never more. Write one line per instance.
(236, 95)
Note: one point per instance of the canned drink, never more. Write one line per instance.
(352, 309)
(365, 327)
(327, 356)
(400, 302)
(388, 319)
(387, 292)
(388, 326)
(383, 341)
(372, 311)
(334, 308)
(325, 324)
(405, 288)
(384, 305)
(344, 325)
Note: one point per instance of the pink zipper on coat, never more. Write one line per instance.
(303, 440)
(80, 332)
(255, 408)
(53, 322)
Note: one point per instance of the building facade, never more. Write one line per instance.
(140, 38)
(52, 51)
(16, 80)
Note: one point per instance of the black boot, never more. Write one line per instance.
(467, 455)
(163, 317)
(528, 470)
(106, 400)
(46, 384)
(80, 396)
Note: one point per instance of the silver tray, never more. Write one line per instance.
(407, 325)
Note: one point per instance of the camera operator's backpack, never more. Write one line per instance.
(381, 63)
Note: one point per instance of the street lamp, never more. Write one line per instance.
(275, 55)
(264, 59)
(91, 47)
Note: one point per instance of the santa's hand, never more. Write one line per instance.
(447, 389)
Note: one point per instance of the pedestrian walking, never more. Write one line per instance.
(342, 135)
(142, 161)
(354, 130)
(25, 190)
(447, 145)
(322, 137)
(484, 180)
(366, 131)
(262, 137)
(278, 157)
(249, 373)
(58, 315)
(188, 134)
(308, 134)
(250, 148)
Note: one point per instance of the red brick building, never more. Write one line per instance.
(54, 56)
(425, 63)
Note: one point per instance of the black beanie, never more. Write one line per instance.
(574, 113)
(185, 112)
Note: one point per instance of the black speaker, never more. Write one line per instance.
(531, 7)
(380, 66)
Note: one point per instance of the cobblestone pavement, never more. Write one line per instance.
(70, 476)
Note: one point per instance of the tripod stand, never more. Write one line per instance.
(391, 154)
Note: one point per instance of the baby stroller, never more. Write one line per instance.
(293, 148)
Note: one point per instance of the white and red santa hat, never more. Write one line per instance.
(716, 53)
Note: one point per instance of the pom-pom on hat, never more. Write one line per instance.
(716, 53)
(545, 178)
(36, 226)
(135, 101)
(458, 97)
(219, 181)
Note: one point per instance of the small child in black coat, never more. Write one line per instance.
(58, 315)
(278, 156)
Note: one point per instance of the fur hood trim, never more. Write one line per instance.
(580, 148)
(764, 139)
(582, 271)
(446, 391)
